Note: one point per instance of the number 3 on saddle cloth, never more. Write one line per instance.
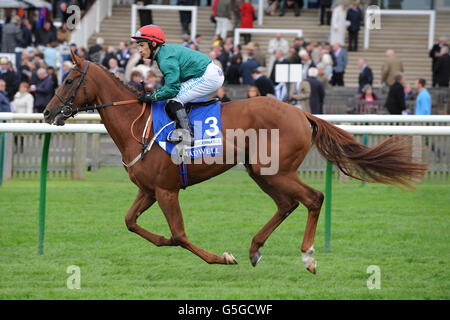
(205, 120)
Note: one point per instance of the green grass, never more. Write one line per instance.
(405, 233)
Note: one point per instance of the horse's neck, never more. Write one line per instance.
(118, 119)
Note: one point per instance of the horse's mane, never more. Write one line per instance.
(120, 82)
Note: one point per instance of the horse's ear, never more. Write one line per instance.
(74, 57)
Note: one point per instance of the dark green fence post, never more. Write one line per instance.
(328, 188)
(43, 192)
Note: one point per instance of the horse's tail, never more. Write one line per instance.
(390, 162)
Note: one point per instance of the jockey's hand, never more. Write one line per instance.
(145, 97)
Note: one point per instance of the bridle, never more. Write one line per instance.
(67, 111)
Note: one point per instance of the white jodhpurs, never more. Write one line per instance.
(199, 87)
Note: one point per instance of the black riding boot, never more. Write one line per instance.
(181, 118)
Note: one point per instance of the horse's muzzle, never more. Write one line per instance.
(56, 117)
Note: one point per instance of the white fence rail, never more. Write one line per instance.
(239, 31)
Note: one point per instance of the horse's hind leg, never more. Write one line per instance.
(168, 202)
(285, 206)
(285, 190)
(143, 202)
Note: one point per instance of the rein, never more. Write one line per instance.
(68, 111)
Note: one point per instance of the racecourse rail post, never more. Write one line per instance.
(2, 155)
(328, 188)
(43, 192)
(365, 141)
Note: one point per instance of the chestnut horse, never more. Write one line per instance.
(158, 177)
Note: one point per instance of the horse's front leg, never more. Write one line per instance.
(168, 202)
(143, 202)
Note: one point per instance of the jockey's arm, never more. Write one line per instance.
(171, 71)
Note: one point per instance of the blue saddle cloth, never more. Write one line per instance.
(207, 129)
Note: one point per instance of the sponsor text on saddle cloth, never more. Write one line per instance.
(207, 130)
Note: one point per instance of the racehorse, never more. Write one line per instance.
(90, 86)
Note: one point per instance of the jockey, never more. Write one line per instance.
(188, 75)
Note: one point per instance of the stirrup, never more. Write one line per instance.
(176, 136)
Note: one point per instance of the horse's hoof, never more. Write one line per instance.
(229, 259)
(255, 258)
(312, 266)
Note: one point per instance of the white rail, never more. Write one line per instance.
(193, 9)
(100, 128)
(335, 118)
(372, 12)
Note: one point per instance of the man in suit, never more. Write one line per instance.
(145, 16)
(442, 68)
(354, 15)
(365, 74)
(43, 91)
(325, 10)
(340, 55)
(435, 54)
(391, 67)
(395, 102)
(246, 69)
(264, 84)
(311, 93)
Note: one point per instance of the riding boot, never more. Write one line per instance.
(178, 111)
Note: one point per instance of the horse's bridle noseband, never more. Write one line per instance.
(67, 110)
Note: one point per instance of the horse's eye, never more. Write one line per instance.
(69, 81)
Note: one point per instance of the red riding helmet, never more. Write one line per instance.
(150, 33)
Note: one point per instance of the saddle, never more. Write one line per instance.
(191, 105)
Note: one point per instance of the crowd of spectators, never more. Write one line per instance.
(35, 40)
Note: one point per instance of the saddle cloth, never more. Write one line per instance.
(207, 130)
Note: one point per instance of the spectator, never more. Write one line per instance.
(120, 74)
(310, 93)
(222, 95)
(365, 74)
(145, 16)
(322, 77)
(223, 24)
(136, 77)
(51, 72)
(247, 16)
(52, 57)
(96, 53)
(257, 53)
(185, 16)
(5, 106)
(63, 14)
(46, 35)
(316, 53)
(63, 34)
(110, 53)
(9, 76)
(252, 92)
(354, 15)
(325, 64)
(225, 56)
(197, 40)
(185, 38)
(233, 74)
(123, 54)
(28, 37)
(113, 65)
(325, 10)
(67, 66)
(435, 54)
(307, 63)
(340, 55)
(296, 5)
(246, 69)
(390, 68)
(367, 96)
(395, 102)
(278, 43)
(442, 68)
(236, 7)
(213, 56)
(279, 60)
(293, 56)
(43, 90)
(11, 34)
(151, 81)
(264, 84)
(23, 100)
(423, 102)
(273, 5)
(338, 25)
(193, 46)
(82, 53)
